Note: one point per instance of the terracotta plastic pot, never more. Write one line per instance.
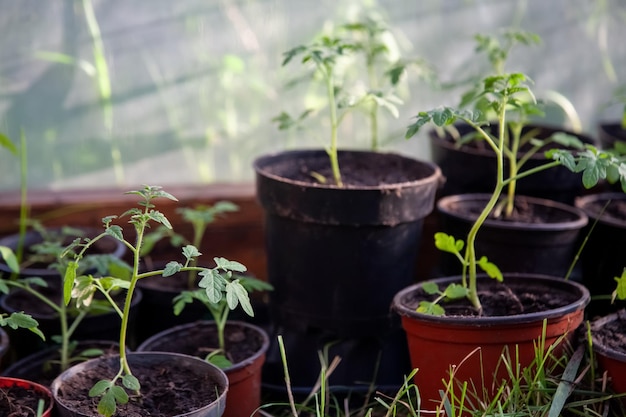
(244, 377)
(188, 366)
(437, 343)
(609, 359)
(41, 392)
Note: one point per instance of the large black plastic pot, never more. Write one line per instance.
(471, 168)
(204, 379)
(602, 256)
(609, 133)
(336, 256)
(548, 247)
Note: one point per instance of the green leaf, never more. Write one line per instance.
(447, 243)
(172, 268)
(68, 281)
(237, 294)
(159, 217)
(213, 283)
(620, 290)
(430, 288)
(433, 309)
(131, 382)
(116, 232)
(420, 120)
(455, 291)
(227, 265)
(490, 268)
(121, 396)
(190, 251)
(9, 257)
(219, 360)
(107, 405)
(99, 388)
(6, 143)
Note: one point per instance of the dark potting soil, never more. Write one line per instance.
(502, 299)
(165, 392)
(241, 342)
(524, 212)
(357, 169)
(613, 333)
(18, 401)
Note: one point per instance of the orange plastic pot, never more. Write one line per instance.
(472, 346)
(610, 360)
(42, 391)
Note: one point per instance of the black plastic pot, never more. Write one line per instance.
(541, 248)
(106, 246)
(609, 133)
(37, 367)
(186, 365)
(102, 326)
(4, 347)
(602, 257)
(472, 167)
(336, 256)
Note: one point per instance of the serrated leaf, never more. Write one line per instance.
(115, 231)
(224, 263)
(430, 288)
(213, 283)
(159, 217)
(190, 251)
(131, 382)
(172, 268)
(236, 293)
(490, 268)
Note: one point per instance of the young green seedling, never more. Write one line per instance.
(502, 93)
(363, 46)
(236, 293)
(81, 288)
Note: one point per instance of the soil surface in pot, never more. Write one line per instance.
(357, 170)
(613, 333)
(18, 401)
(499, 299)
(523, 212)
(164, 392)
(241, 342)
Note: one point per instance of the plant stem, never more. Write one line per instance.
(23, 199)
(332, 150)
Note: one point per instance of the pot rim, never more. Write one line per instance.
(579, 222)
(583, 203)
(37, 387)
(584, 297)
(220, 375)
(602, 348)
(210, 323)
(261, 162)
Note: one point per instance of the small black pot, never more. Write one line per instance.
(472, 169)
(602, 257)
(540, 248)
(105, 326)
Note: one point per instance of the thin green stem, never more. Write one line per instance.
(23, 199)
(332, 149)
